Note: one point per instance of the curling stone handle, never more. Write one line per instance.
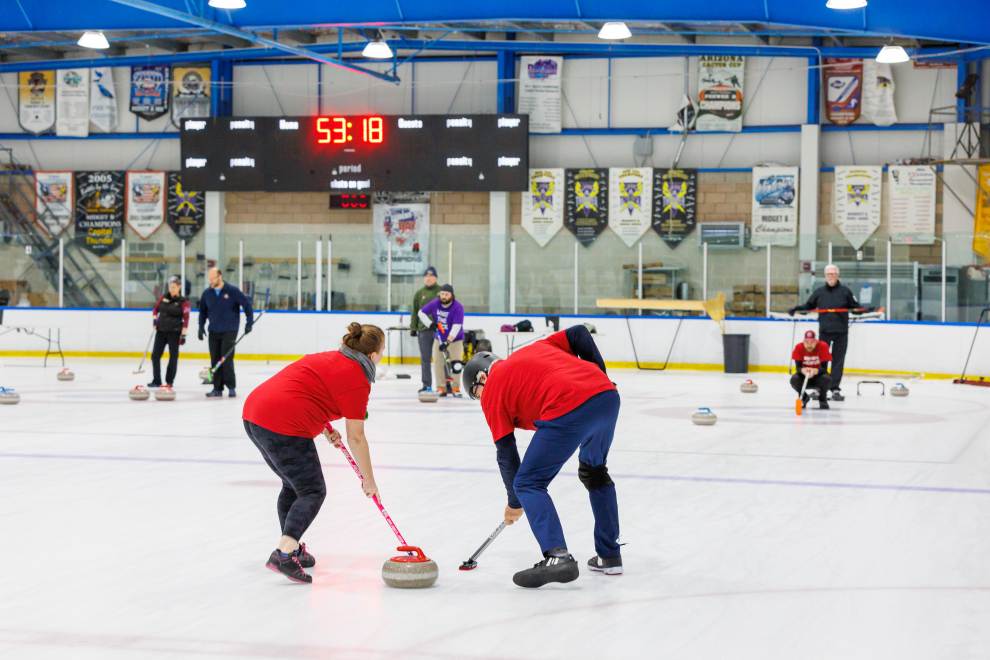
(412, 549)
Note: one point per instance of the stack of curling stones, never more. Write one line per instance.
(704, 417)
(428, 396)
(749, 387)
(8, 397)
(139, 393)
(410, 571)
(66, 374)
(900, 389)
(165, 393)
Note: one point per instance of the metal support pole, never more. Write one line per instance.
(769, 266)
(704, 271)
(240, 264)
(61, 273)
(829, 253)
(512, 277)
(319, 276)
(388, 284)
(123, 274)
(182, 267)
(576, 247)
(450, 262)
(945, 250)
(890, 271)
(298, 275)
(639, 273)
(329, 274)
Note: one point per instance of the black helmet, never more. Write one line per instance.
(481, 362)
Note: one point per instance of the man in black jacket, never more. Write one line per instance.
(221, 303)
(833, 327)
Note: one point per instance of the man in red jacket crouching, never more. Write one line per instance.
(811, 357)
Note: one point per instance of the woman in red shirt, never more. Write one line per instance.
(285, 413)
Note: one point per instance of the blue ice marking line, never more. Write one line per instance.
(457, 470)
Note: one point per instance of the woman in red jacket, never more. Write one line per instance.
(285, 413)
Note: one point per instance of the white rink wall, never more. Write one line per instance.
(889, 347)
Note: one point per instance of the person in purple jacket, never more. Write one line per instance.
(444, 316)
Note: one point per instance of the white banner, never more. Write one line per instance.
(857, 201)
(72, 102)
(543, 205)
(775, 206)
(878, 93)
(36, 100)
(407, 228)
(912, 204)
(539, 92)
(53, 201)
(102, 100)
(630, 202)
(720, 92)
(145, 202)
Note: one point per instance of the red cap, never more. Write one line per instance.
(809, 334)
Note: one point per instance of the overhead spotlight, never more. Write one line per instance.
(377, 50)
(93, 39)
(845, 4)
(891, 54)
(227, 4)
(614, 31)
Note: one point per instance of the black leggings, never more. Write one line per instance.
(171, 339)
(297, 464)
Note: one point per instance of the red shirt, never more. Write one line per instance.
(541, 381)
(815, 358)
(308, 393)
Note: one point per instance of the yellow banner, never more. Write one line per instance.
(981, 223)
(190, 93)
(36, 100)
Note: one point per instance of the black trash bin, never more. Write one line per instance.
(736, 353)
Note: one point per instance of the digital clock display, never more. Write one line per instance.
(357, 154)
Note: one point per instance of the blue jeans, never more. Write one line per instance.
(590, 426)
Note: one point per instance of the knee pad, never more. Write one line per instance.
(593, 477)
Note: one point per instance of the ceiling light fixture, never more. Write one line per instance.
(227, 4)
(377, 50)
(614, 31)
(891, 54)
(93, 39)
(845, 4)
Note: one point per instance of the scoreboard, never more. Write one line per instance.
(357, 153)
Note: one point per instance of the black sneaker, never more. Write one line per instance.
(306, 560)
(214, 394)
(837, 396)
(153, 384)
(554, 568)
(606, 565)
(290, 567)
(804, 400)
(232, 393)
(823, 403)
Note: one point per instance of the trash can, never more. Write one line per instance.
(735, 350)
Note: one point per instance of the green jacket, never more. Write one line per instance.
(423, 296)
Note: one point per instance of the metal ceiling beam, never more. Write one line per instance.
(673, 29)
(27, 51)
(299, 36)
(223, 28)
(763, 39)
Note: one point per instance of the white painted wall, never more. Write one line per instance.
(874, 346)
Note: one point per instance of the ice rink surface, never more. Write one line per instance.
(140, 529)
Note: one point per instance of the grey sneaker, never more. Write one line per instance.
(606, 565)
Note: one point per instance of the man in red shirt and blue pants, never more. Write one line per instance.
(559, 388)
(811, 357)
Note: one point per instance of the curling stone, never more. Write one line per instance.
(749, 387)
(206, 375)
(165, 393)
(900, 389)
(139, 393)
(428, 397)
(416, 571)
(66, 374)
(704, 417)
(8, 397)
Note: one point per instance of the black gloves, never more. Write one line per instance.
(248, 327)
(413, 333)
(791, 311)
(201, 334)
(443, 346)
(182, 340)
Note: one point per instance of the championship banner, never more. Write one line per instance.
(149, 91)
(186, 208)
(775, 206)
(190, 93)
(878, 93)
(102, 100)
(675, 203)
(540, 92)
(53, 203)
(543, 205)
(911, 212)
(145, 207)
(981, 223)
(843, 82)
(99, 210)
(36, 101)
(586, 203)
(630, 202)
(720, 93)
(72, 103)
(406, 227)
(857, 201)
